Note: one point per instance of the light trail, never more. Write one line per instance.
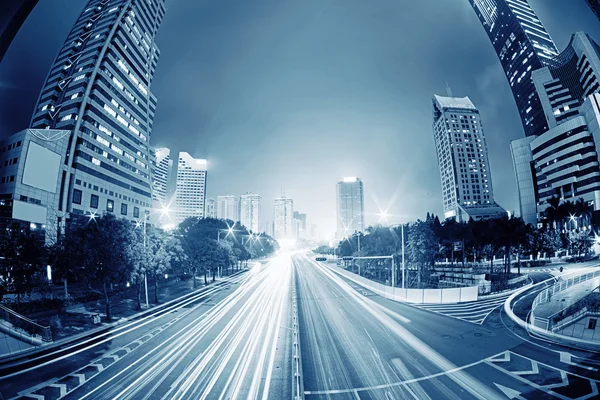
(229, 351)
(474, 387)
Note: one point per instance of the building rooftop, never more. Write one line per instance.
(455, 102)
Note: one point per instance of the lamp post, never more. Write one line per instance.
(145, 269)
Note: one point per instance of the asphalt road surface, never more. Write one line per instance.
(293, 326)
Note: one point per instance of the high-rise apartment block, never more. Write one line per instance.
(211, 209)
(522, 45)
(161, 174)
(190, 188)
(228, 207)
(283, 219)
(98, 88)
(463, 160)
(350, 206)
(250, 211)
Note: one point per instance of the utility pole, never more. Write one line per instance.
(145, 269)
(402, 256)
(393, 272)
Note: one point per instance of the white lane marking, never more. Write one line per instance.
(567, 358)
(61, 387)
(465, 381)
(399, 383)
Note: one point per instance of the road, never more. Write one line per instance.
(235, 343)
(241, 340)
(356, 345)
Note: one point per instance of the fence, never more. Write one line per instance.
(417, 296)
(545, 295)
(23, 328)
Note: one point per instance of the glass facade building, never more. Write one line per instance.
(283, 218)
(350, 207)
(98, 88)
(522, 45)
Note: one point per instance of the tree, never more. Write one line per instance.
(23, 257)
(103, 244)
(579, 243)
(552, 212)
(422, 247)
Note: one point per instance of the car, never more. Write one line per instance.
(321, 259)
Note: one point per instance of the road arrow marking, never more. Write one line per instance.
(509, 392)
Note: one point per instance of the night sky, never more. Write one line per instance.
(287, 95)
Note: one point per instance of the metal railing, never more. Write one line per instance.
(25, 327)
(546, 295)
(298, 385)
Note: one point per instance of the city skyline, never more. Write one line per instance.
(376, 125)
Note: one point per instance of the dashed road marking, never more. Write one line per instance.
(57, 389)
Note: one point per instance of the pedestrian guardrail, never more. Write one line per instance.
(546, 295)
(23, 328)
(298, 386)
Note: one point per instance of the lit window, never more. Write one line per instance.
(95, 161)
(74, 96)
(110, 205)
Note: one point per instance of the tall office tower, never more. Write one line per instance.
(595, 6)
(522, 45)
(228, 207)
(99, 89)
(211, 208)
(161, 174)
(283, 218)
(463, 160)
(301, 226)
(524, 167)
(250, 211)
(190, 188)
(350, 207)
(13, 14)
(565, 157)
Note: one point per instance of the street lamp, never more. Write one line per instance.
(384, 216)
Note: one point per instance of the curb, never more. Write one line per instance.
(542, 333)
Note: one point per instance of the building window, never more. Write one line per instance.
(592, 323)
(12, 178)
(136, 212)
(78, 181)
(123, 209)
(77, 196)
(110, 205)
(94, 199)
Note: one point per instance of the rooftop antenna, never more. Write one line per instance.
(448, 90)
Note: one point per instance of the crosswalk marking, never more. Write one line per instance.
(475, 312)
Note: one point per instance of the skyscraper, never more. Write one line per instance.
(565, 158)
(250, 211)
(350, 206)
(301, 224)
(190, 188)
(283, 224)
(522, 45)
(161, 174)
(595, 6)
(228, 207)
(99, 89)
(13, 14)
(211, 209)
(463, 160)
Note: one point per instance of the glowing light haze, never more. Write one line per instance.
(289, 95)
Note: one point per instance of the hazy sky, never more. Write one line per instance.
(289, 95)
